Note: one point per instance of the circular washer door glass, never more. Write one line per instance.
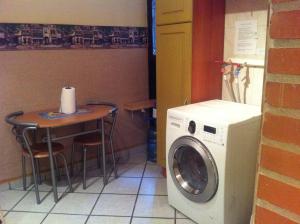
(193, 169)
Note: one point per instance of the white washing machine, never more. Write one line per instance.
(211, 160)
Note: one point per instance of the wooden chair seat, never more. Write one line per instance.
(93, 139)
(40, 150)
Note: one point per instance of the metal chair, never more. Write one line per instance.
(33, 150)
(94, 140)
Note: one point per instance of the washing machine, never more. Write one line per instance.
(211, 150)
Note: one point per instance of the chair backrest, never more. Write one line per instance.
(21, 130)
(112, 105)
(110, 119)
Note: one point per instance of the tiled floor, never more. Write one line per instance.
(138, 196)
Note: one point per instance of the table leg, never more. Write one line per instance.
(103, 152)
(54, 186)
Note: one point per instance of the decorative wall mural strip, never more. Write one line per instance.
(44, 36)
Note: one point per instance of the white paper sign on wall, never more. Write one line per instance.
(245, 37)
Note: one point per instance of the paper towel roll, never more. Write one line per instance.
(68, 100)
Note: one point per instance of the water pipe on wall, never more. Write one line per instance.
(246, 80)
(237, 73)
(239, 64)
(231, 74)
(227, 70)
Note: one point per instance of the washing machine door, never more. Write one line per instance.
(193, 169)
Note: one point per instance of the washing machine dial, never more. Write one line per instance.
(192, 127)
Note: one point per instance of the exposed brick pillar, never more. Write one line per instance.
(278, 179)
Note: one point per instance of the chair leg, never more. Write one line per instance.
(113, 157)
(24, 172)
(72, 160)
(104, 166)
(67, 172)
(98, 157)
(57, 169)
(82, 157)
(36, 186)
(84, 168)
(37, 163)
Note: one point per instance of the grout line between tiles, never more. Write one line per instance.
(37, 212)
(119, 216)
(153, 217)
(82, 192)
(63, 195)
(53, 206)
(158, 195)
(97, 199)
(11, 209)
(124, 216)
(128, 177)
(174, 216)
(138, 193)
(57, 213)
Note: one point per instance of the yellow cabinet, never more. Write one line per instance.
(173, 76)
(174, 11)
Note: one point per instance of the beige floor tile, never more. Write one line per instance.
(179, 215)
(108, 220)
(114, 205)
(76, 203)
(153, 170)
(9, 198)
(152, 221)
(122, 185)
(65, 219)
(154, 186)
(93, 185)
(29, 203)
(153, 206)
(24, 218)
(184, 221)
(130, 170)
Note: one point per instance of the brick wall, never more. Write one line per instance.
(278, 180)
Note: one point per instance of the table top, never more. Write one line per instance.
(95, 112)
(140, 105)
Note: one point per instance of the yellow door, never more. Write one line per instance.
(174, 11)
(173, 76)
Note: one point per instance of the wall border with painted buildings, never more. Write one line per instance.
(15, 36)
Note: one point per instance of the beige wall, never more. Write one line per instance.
(240, 10)
(32, 80)
(77, 12)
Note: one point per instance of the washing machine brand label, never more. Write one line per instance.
(175, 121)
(175, 124)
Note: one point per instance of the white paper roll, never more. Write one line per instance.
(68, 100)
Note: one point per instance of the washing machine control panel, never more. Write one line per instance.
(206, 132)
(213, 134)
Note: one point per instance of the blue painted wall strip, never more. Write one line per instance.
(46, 36)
